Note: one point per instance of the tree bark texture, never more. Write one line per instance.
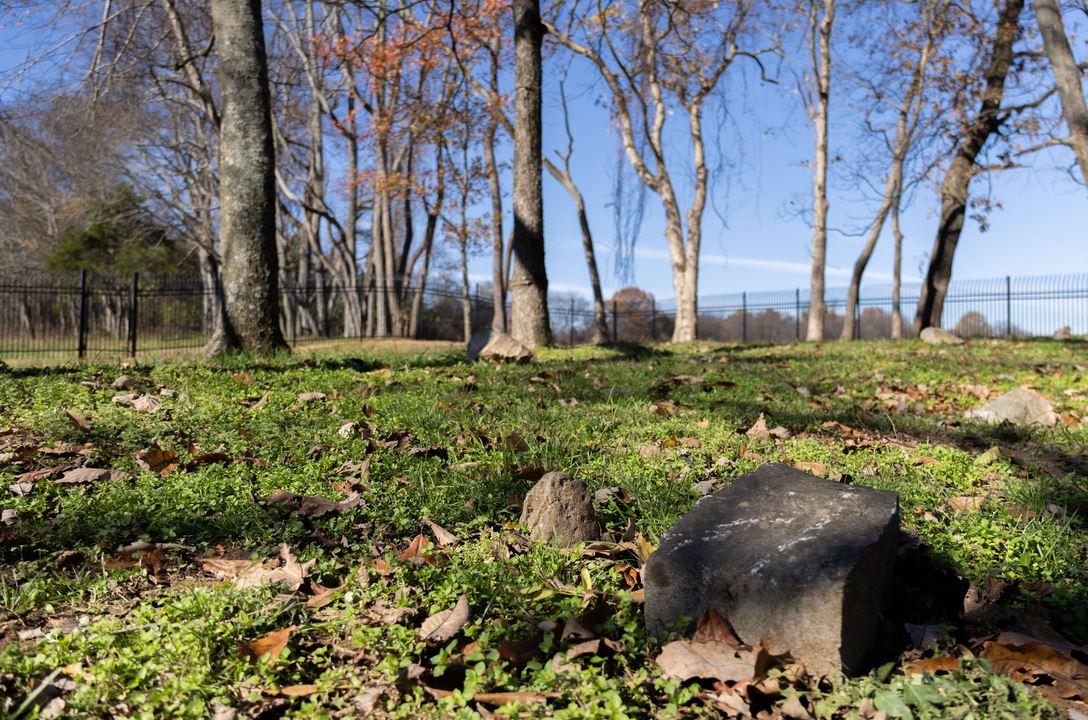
(1048, 15)
(957, 179)
(247, 189)
(822, 61)
(529, 321)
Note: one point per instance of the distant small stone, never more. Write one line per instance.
(504, 348)
(124, 382)
(1063, 333)
(559, 509)
(790, 561)
(1022, 406)
(936, 336)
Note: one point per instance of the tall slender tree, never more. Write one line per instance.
(1048, 14)
(247, 184)
(821, 21)
(529, 321)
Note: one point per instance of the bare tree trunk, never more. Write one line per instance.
(421, 282)
(247, 189)
(1067, 76)
(957, 179)
(897, 270)
(529, 321)
(822, 58)
(498, 276)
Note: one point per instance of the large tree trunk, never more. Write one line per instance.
(957, 179)
(815, 331)
(247, 185)
(897, 269)
(1067, 77)
(529, 321)
(498, 276)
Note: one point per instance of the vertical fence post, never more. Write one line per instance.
(744, 317)
(653, 319)
(797, 310)
(570, 331)
(1008, 306)
(615, 323)
(81, 342)
(133, 313)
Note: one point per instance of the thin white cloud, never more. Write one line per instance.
(784, 266)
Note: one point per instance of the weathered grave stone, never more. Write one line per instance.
(504, 348)
(1022, 406)
(794, 562)
(559, 509)
(936, 336)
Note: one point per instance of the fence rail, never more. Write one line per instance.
(61, 317)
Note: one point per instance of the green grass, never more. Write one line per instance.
(134, 647)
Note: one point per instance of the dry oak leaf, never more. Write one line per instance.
(442, 626)
(82, 476)
(684, 659)
(224, 569)
(78, 420)
(941, 663)
(146, 404)
(713, 627)
(1026, 658)
(442, 536)
(309, 397)
(314, 506)
(157, 460)
(967, 502)
(270, 646)
(759, 430)
(289, 573)
(813, 468)
(415, 554)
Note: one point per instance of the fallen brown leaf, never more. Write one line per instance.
(966, 502)
(270, 646)
(684, 659)
(713, 627)
(289, 573)
(83, 476)
(78, 420)
(415, 552)
(224, 569)
(442, 626)
(157, 460)
(309, 397)
(146, 404)
(1028, 659)
(942, 663)
(759, 431)
(442, 536)
(298, 690)
(814, 468)
(314, 506)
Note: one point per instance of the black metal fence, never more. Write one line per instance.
(61, 317)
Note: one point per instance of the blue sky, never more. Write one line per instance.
(1042, 228)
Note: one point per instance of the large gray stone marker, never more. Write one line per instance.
(794, 562)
